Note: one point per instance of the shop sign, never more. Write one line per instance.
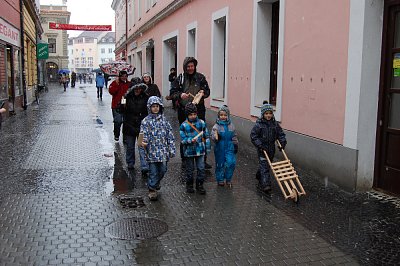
(9, 33)
(42, 51)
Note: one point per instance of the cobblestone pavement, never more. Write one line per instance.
(66, 198)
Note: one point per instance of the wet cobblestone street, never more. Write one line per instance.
(66, 197)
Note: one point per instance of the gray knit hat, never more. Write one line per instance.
(190, 108)
(266, 107)
(225, 108)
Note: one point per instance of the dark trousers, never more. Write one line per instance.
(100, 92)
(201, 113)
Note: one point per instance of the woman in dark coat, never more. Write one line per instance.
(152, 89)
(134, 112)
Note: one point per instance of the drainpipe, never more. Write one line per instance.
(126, 30)
(21, 7)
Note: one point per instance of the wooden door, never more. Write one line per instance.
(388, 141)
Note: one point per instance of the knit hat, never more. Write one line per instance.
(266, 107)
(190, 108)
(224, 108)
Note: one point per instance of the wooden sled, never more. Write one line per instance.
(197, 97)
(286, 177)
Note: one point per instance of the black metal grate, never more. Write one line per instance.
(136, 228)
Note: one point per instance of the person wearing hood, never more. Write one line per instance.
(99, 85)
(224, 135)
(117, 89)
(263, 136)
(134, 112)
(152, 89)
(187, 85)
(158, 142)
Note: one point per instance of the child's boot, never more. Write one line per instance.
(153, 196)
(189, 187)
(200, 188)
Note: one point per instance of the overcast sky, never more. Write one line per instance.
(87, 12)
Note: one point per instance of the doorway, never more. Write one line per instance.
(387, 173)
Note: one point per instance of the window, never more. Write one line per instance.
(52, 45)
(110, 50)
(191, 40)
(103, 50)
(83, 61)
(72, 51)
(219, 57)
(90, 61)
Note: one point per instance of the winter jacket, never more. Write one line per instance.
(187, 133)
(135, 111)
(152, 89)
(264, 134)
(227, 140)
(158, 134)
(186, 83)
(99, 81)
(117, 91)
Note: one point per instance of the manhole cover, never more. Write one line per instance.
(136, 228)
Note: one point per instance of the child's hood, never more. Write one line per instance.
(154, 100)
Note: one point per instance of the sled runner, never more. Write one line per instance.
(286, 177)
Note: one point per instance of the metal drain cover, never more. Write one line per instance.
(136, 228)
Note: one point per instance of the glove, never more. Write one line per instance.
(235, 148)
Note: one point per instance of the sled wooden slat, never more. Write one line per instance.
(280, 162)
(286, 177)
(282, 167)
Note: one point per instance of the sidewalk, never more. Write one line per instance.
(67, 199)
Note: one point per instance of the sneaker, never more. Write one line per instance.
(153, 195)
(116, 139)
(200, 189)
(145, 174)
(189, 189)
(207, 166)
(267, 188)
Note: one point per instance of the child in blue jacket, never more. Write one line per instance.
(263, 135)
(226, 146)
(159, 143)
(194, 148)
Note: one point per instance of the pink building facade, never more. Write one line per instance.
(329, 67)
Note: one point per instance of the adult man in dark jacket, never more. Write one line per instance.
(135, 111)
(185, 87)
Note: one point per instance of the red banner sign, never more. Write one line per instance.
(58, 26)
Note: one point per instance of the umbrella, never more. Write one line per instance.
(61, 71)
(113, 68)
(97, 70)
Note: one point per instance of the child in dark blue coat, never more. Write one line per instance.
(263, 135)
(226, 146)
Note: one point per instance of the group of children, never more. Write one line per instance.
(159, 145)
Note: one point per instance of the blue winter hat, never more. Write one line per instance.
(225, 108)
(266, 107)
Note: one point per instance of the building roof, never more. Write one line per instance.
(108, 38)
(90, 34)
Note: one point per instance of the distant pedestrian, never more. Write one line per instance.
(263, 136)
(64, 81)
(159, 143)
(73, 79)
(134, 112)
(84, 78)
(226, 146)
(194, 139)
(80, 78)
(2, 110)
(152, 89)
(99, 85)
(117, 89)
(171, 78)
(106, 79)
